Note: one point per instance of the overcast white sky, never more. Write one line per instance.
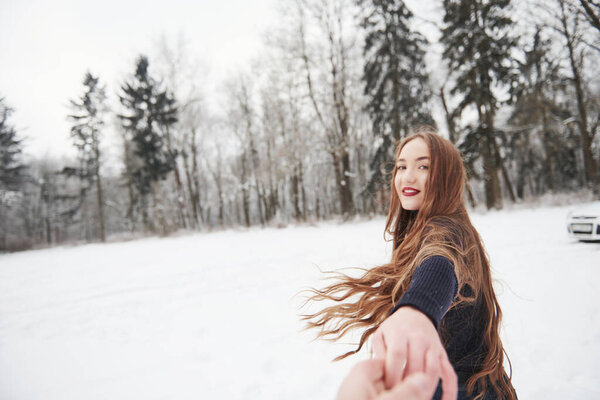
(47, 46)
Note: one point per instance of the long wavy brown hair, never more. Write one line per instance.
(441, 226)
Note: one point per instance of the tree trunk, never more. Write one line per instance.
(295, 195)
(549, 150)
(158, 213)
(218, 178)
(341, 183)
(504, 171)
(317, 208)
(3, 241)
(221, 207)
(449, 119)
(302, 191)
(272, 200)
(130, 190)
(245, 194)
(493, 197)
(396, 121)
(591, 174)
(192, 194)
(178, 185)
(260, 200)
(470, 195)
(179, 200)
(346, 188)
(196, 185)
(148, 225)
(246, 207)
(99, 196)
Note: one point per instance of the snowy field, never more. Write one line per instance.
(215, 316)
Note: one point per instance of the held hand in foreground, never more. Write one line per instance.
(409, 343)
(365, 382)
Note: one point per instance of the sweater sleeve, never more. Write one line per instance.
(432, 289)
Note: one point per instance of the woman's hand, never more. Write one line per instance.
(365, 382)
(408, 343)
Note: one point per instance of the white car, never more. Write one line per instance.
(584, 223)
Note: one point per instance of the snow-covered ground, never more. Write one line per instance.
(215, 316)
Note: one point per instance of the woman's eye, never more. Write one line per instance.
(400, 167)
(424, 167)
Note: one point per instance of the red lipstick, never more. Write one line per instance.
(408, 191)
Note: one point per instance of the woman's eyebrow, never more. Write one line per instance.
(417, 159)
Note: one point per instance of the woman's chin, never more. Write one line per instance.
(410, 206)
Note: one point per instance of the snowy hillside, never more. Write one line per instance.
(215, 316)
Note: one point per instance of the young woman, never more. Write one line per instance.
(434, 302)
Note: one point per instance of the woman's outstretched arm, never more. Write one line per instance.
(409, 336)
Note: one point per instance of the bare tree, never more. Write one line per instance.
(179, 69)
(591, 9)
(568, 25)
(331, 65)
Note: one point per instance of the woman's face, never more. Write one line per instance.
(412, 170)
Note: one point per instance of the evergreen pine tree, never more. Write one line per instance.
(88, 121)
(11, 168)
(12, 177)
(477, 44)
(149, 112)
(395, 77)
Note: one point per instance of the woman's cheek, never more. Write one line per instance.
(397, 185)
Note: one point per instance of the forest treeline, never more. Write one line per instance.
(308, 132)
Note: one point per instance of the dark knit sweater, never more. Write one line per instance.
(432, 290)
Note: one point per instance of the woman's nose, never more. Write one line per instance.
(409, 175)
